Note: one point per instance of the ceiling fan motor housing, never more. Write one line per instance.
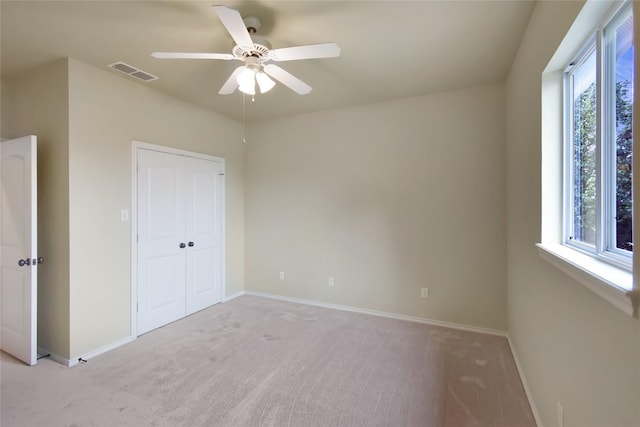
(261, 48)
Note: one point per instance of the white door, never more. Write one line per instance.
(179, 236)
(19, 277)
(204, 233)
(161, 239)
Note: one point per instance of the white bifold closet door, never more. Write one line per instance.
(179, 237)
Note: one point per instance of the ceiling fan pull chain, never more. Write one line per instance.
(244, 120)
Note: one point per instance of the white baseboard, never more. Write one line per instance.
(381, 314)
(97, 352)
(233, 296)
(55, 357)
(525, 385)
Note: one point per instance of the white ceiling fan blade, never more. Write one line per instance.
(322, 50)
(287, 79)
(231, 84)
(194, 55)
(234, 24)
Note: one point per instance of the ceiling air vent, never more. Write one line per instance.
(133, 71)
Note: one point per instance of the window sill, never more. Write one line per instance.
(610, 282)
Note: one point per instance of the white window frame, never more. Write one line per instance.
(612, 283)
(605, 247)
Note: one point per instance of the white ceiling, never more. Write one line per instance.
(390, 49)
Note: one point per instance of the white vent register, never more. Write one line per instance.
(133, 71)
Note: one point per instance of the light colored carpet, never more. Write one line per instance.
(260, 362)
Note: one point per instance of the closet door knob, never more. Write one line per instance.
(191, 244)
(182, 246)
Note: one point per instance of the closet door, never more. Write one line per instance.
(204, 228)
(161, 233)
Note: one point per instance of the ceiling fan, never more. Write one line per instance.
(256, 53)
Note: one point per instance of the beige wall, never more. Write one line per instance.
(386, 198)
(106, 113)
(575, 348)
(37, 103)
(85, 120)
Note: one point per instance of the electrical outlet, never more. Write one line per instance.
(331, 282)
(560, 415)
(281, 275)
(424, 292)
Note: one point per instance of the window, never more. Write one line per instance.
(586, 220)
(598, 144)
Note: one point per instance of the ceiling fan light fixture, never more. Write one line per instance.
(264, 82)
(247, 81)
(249, 89)
(246, 77)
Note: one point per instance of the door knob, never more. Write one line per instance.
(182, 246)
(22, 262)
(191, 244)
(40, 260)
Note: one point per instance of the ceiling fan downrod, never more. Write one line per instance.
(252, 23)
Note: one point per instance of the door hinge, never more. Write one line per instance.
(221, 174)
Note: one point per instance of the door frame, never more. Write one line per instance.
(133, 218)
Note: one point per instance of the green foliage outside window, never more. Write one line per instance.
(584, 146)
(584, 173)
(624, 156)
